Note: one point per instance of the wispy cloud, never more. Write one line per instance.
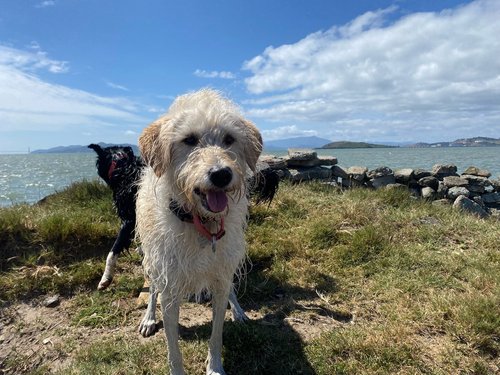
(33, 59)
(289, 131)
(29, 103)
(425, 73)
(116, 86)
(45, 4)
(214, 74)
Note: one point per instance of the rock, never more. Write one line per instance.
(491, 198)
(357, 173)
(451, 181)
(301, 158)
(496, 184)
(273, 161)
(429, 181)
(443, 170)
(428, 193)
(51, 301)
(477, 172)
(465, 204)
(307, 174)
(380, 172)
(420, 173)
(327, 160)
(339, 172)
(403, 176)
(382, 181)
(456, 191)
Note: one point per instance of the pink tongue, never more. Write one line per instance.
(217, 201)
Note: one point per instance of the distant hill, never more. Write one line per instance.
(347, 144)
(463, 142)
(297, 142)
(81, 149)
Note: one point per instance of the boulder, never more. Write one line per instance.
(382, 181)
(443, 170)
(491, 198)
(450, 181)
(274, 162)
(429, 181)
(456, 191)
(380, 172)
(339, 172)
(465, 204)
(403, 176)
(308, 174)
(327, 160)
(420, 173)
(357, 173)
(298, 158)
(477, 172)
(428, 193)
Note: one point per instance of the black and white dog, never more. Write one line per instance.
(121, 169)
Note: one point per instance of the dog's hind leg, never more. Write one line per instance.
(122, 242)
(148, 325)
(170, 309)
(236, 310)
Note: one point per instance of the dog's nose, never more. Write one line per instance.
(221, 177)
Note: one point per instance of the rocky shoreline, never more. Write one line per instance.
(471, 191)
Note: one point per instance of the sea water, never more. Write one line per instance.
(30, 177)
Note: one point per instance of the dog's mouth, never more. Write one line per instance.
(213, 200)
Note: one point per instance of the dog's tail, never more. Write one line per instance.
(96, 148)
(264, 185)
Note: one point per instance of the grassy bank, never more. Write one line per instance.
(365, 282)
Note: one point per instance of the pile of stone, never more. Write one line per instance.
(472, 190)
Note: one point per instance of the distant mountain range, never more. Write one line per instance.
(307, 142)
(81, 149)
(297, 142)
(464, 142)
(346, 144)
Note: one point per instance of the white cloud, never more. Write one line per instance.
(213, 74)
(45, 4)
(28, 103)
(31, 60)
(425, 70)
(289, 131)
(116, 86)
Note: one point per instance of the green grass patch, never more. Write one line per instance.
(406, 287)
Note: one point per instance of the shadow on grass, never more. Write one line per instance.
(268, 345)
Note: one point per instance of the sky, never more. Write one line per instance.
(80, 72)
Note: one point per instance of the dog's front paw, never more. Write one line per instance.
(104, 283)
(148, 327)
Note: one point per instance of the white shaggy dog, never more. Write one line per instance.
(191, 211)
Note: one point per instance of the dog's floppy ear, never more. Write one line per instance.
(253, 144)
(154, 149)
(98, 149)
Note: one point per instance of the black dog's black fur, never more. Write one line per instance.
(121, 170)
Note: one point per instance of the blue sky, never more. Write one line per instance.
(76, 72)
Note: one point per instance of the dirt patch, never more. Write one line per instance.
(32, 335)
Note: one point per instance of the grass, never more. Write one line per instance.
(409, 288)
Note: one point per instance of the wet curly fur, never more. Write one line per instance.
(200, 155)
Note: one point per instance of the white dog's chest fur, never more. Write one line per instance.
(176, 256)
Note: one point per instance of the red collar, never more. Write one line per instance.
(188, 217)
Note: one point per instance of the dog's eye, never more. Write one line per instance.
(191, 140)
(228, 140)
